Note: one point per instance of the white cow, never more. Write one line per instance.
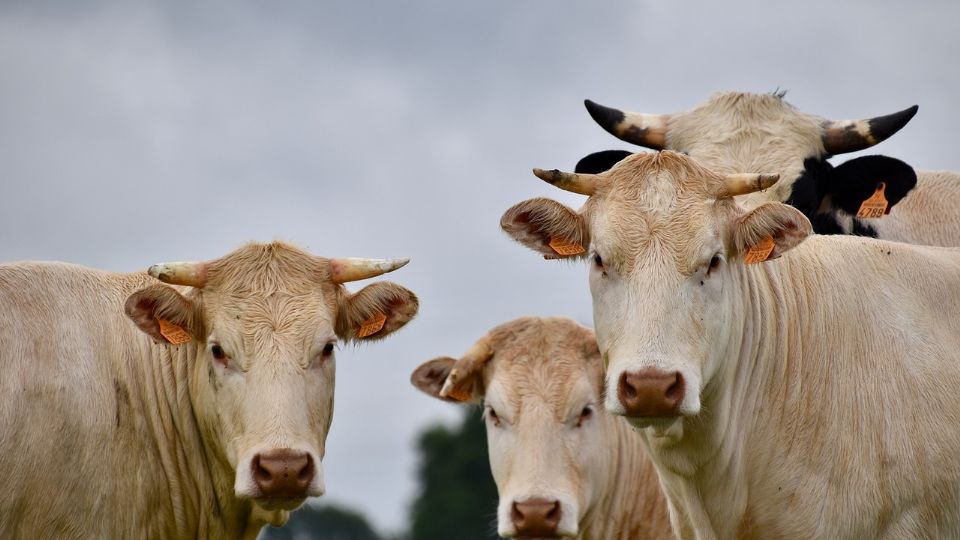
(204, 417)
(812, 395)
(736, 132)
(563, 467)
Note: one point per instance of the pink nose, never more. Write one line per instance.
(651, 393)
(536, 518)
(283, 473)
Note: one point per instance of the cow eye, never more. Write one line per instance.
(327, 350)
(492, 415)
(598, 260)
(219, 354)
(585, 415)
(714, 264)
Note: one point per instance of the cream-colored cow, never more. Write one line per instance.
(810, 394)
(563, 467)
(738, 132)
(207, 421)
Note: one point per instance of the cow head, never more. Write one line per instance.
(666, 245)
(733, 132)
(260, 327)
(540, 381)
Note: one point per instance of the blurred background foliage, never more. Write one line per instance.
(456, 495)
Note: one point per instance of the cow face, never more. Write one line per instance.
(666, 243)
(734, 132)
(262, 324)
(540, 383)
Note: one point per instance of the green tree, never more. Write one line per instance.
(457, 497)
(328, 522)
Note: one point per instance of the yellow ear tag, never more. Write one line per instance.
(760, 252)
(565, 247)
(173, 333)
(372, 325)
(876, 205)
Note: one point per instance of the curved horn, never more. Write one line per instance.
(583, 184)
(841, 136)
(648, 130)
(351, 269)
(741, 184)
(472, 360)
(193, 274)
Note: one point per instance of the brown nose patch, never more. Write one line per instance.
(650, 393)
(283, 473)
(536, 518)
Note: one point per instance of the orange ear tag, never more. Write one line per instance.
(372, 325)
(459, 394)
(760, 252)
(876, 205)
(565, 247)
(173, 333)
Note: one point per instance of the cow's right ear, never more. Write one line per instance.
(431, 377)
(547, 227)
(164, 314)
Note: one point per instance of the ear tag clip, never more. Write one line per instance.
(173, 333)
(760, 252)
(564, 247)
(372, 325)
(876, 205)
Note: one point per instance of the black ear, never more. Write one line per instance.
(598, 162)
(853, 182)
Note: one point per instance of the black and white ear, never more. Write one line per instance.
(433, 376)
(164, 314)
(599, 162)
(375, 311)
(777, 226)
(850, 184)
(547, 227)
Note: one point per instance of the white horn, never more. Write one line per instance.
(351, 269)
(741, 184)
(584, 184)
(193, 274)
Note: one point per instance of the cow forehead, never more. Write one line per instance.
(265, 268)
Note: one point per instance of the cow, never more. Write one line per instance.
(738, 132)
(563, 468)
(787, 385)
(193, 402)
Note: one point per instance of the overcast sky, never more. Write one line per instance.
(135, 132)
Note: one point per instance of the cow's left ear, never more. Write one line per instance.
(164, 314)
(853, 182)
(769, 231)
(375, 311)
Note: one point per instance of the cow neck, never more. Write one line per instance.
(632, 505)
(200, 483)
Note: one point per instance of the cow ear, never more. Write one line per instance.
(853, 182)
(375, 311)
(599, 162)
(769, 231)
(164, 314)
(547, 227)
(432, 376)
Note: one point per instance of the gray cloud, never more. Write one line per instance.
(139, 132)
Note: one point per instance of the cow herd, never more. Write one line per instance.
(777, 354)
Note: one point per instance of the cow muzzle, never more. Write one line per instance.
(651, 393)
(280, 478)
(536, 518)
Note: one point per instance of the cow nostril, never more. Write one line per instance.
(675, 390)
(260, 473)
(553, 516)
(515, 514)
(306, 473)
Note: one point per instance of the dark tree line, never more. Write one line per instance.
(456, 498)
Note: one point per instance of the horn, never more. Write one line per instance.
(583, 184)
(344, 270)
(741, 184)
(841, 136)
(193, 274)
(648, 130)
(472, 360)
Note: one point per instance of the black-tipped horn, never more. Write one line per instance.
(842, 136)
(649, 130)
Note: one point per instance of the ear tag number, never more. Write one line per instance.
(372, 325)
(173, 333)
(565, 247)
(876, 205)
(760, 252)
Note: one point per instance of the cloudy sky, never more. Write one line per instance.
(134, 132)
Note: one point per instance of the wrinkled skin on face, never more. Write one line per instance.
(540, 382)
